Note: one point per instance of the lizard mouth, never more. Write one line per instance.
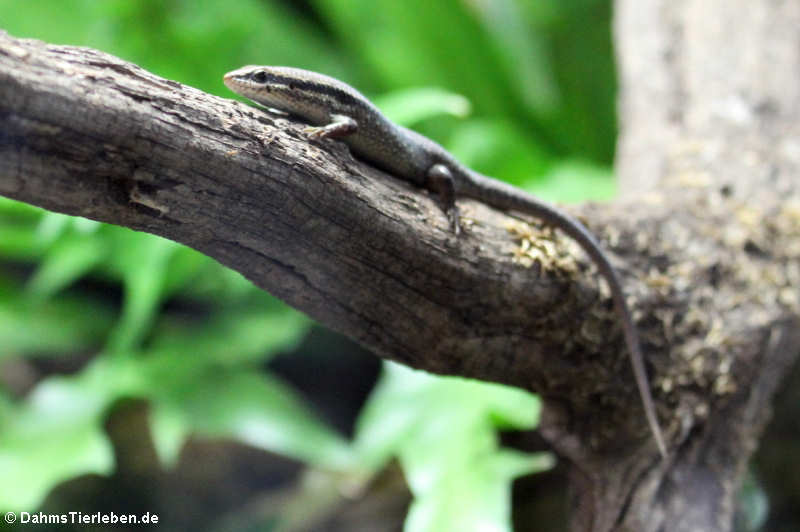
(232, 78)
(238, 85)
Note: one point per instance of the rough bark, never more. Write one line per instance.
(708, 246)
(710, 114)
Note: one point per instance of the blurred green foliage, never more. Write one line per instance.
(518, 89)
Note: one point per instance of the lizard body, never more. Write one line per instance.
(336, 110)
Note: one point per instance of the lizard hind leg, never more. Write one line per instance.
(441, 182)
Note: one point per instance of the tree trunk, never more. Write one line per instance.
(710, 120)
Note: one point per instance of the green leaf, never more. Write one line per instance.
(16, 209)
(753, 504)
(169, 430)
(18, 242)
(444, 431)
(52, 436)
(405, 401)
(51, 226)
(465, 492)
(235, 336)
(184, 264)
(255, 409)
(404, 44)
(67, 260)
(523, 52)
(218, 284)
(18, 230)
(572, 181)
(411, 106)
(142, 261)
(61, 325)
(499, 149)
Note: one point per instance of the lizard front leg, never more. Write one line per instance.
(340, 126)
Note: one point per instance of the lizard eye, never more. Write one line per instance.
(260, 76)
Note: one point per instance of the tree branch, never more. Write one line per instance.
(366, 254)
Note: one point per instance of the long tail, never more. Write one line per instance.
(504, 196)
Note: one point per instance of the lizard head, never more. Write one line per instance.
(262, 84)
(296, 91)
